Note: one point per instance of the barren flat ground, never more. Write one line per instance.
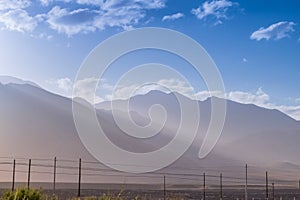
(143, 191)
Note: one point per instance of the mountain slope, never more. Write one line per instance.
(249, 130)
(36, 123)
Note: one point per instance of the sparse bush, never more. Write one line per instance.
(107, 197)
(23, 194)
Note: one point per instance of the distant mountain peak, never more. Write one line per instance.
(13, 80)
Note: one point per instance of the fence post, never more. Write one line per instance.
(164, 187)
(204, 186)
(299, 185)
(29, 170)
(14, 175)
(221, 187)
(79, 178)
(54, 176)
(246, 183)
(273, 191)
(267, 188)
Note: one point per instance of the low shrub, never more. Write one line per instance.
(23, 194)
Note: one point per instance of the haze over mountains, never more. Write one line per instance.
(35, 123)
(9, 79)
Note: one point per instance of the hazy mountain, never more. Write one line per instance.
(251, 133)
(35, 123)
(9, 79)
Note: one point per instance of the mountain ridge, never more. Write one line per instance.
(39, 123)
(13, 80)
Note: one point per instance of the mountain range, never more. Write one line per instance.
(35, 123)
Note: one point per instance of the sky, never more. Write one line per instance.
(255, 45)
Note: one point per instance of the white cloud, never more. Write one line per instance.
(19, 20)
(85, 89)
(48, 2)
(292, 111)
(90, 2)
(124, 92)
(14, 17)
(297, 100)
(62, 86)
(173, 17)
(80, 20)
(178, 86)
(14, 4)
(275, 31)
(82, 17)
(215, 8)
(65, 84)
(85, 2)
(260, 98)
(124, 14)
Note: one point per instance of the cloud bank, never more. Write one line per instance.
(81, 16)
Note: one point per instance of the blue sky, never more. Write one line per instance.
(255, 44)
